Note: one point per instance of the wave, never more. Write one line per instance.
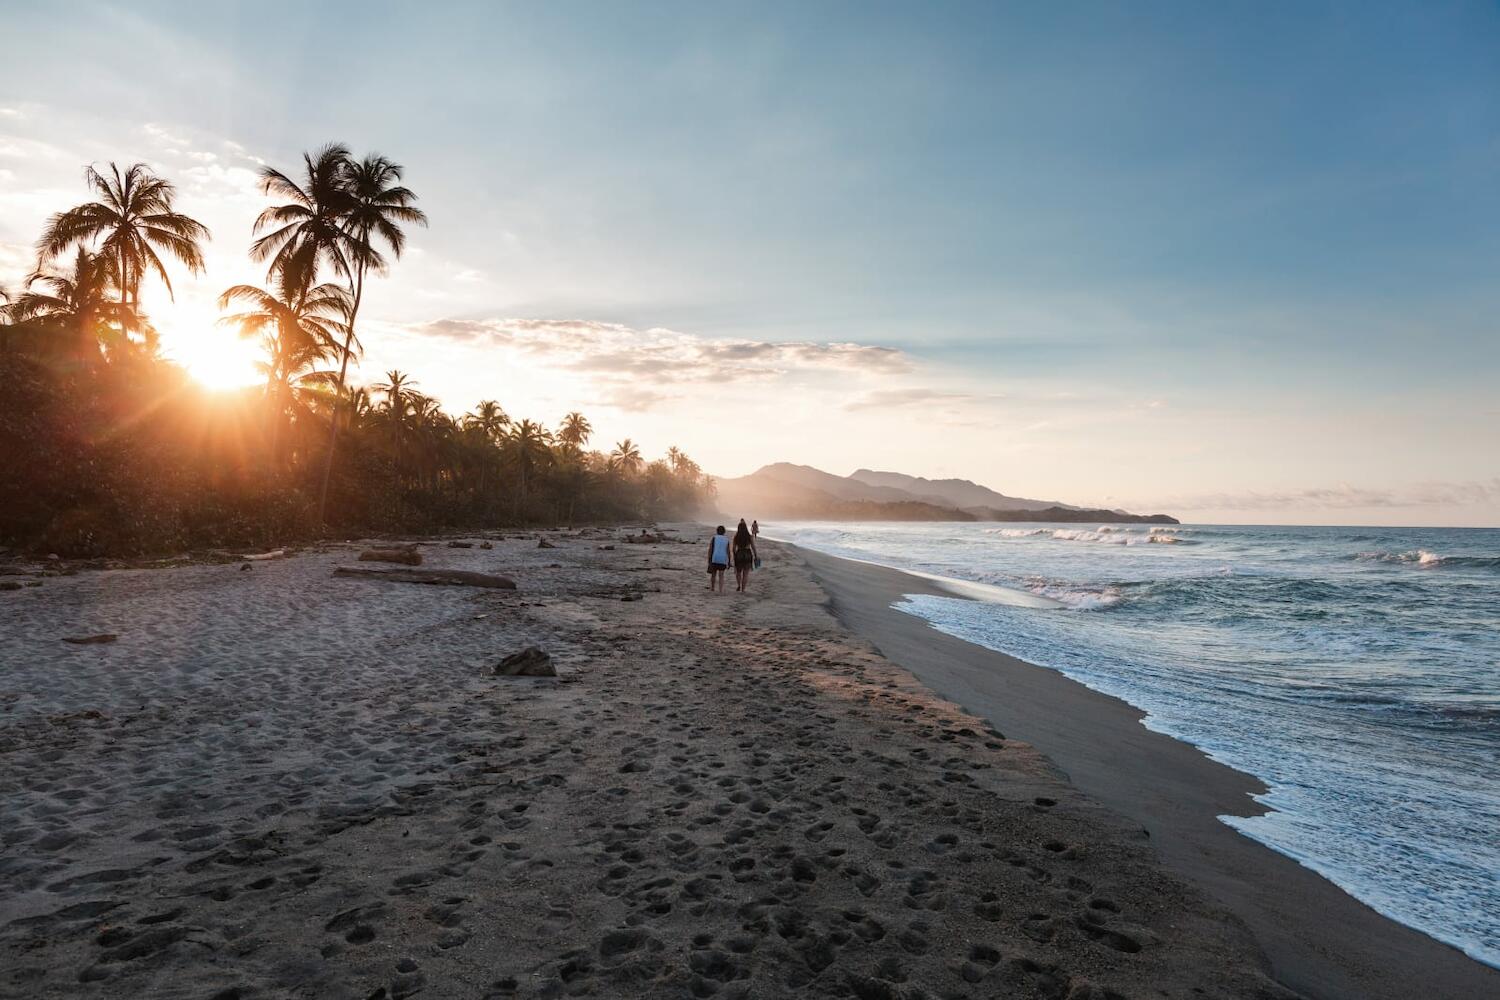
(1423, 559)
(1106, 534)
(1075, 597)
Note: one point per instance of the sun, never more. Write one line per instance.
(215, 357)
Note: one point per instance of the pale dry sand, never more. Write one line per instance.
(279, 784)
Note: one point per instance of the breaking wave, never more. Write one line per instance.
(1105, 534)
(1423, 559)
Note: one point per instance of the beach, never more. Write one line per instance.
(276, 782)
(1319, 940)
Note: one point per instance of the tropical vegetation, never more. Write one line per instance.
(110, 448)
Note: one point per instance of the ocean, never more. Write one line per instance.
(1355, 671)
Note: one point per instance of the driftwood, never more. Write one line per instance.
(262, 556)
(408, 556)
(91, 640)
(529, 662)
(449, 577)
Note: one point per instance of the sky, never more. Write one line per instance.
(1236, 262)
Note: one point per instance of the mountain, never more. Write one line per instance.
(958, 493)
(800, 492)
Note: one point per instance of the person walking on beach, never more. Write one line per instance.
(744, 556)
(755, 528)
(718, 558)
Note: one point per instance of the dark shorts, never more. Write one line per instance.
(714, 567)
(743, 558)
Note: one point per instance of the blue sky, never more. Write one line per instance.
(1233, 260)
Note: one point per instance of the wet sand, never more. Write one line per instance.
(1320, 941)
(277, 783)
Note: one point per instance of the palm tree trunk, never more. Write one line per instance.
(338, 400)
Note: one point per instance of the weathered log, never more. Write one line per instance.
(440, 577)
(91, 640)
(529, 662)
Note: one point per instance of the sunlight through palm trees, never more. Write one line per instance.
(132, 219)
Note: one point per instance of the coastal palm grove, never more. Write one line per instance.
(111, 449)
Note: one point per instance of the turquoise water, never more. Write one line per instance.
(1356, 671)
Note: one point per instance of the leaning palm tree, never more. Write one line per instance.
(575, 430)
(132, 220)
(627, 456)
(298, 330)
(307, 232)
(76, 308)
(376, 206)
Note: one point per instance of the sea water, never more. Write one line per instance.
(1355, 671)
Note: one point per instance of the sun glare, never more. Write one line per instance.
(214, 356)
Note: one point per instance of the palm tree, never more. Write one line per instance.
(77, 305)
(308, 231)
(528, 448)
(489, 419)
(627, 457)
(398, 392)
(575, 430)
(299, 329)
(376, 206)
(5, 320)
(132, 219)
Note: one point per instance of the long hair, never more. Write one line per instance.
(742, 535)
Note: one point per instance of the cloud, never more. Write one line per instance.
(635, 399)
(1433, 494)
(666, 356)
(892, 399)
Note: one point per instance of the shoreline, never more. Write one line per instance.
(1320, 940)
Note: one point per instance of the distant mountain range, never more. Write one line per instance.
(800, 492)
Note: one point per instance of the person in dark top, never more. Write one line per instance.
(744, 556)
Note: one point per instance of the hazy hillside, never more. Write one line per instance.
(800, 492)
(959, 493)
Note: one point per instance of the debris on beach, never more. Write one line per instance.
(646, 538)
(529, 662)
(460, 545)
(408, 555)
(544, 544)
(91, 640)
(449, 577)
(262, 556)
(486, 545)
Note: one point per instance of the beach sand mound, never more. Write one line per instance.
(284, 783)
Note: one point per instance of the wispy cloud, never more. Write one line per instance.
(892, 399)
(666, 356)
(1471, 493)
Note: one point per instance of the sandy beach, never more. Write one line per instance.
(278, 783)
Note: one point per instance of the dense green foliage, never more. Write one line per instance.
(132, 457)
(106, 448)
